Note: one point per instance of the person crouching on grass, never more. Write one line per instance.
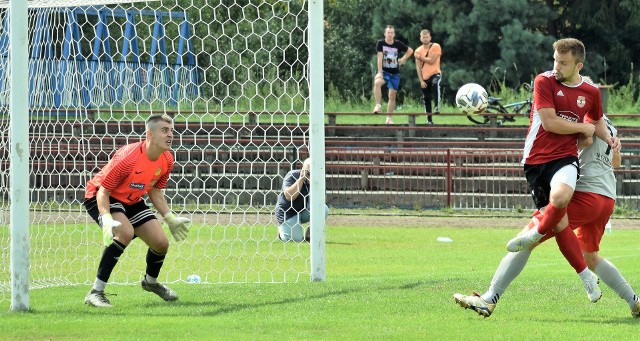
(113, 199)
(293, 208)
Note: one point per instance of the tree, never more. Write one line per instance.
(487, 42)
(348, 47)
(494, 43)
(609, 31)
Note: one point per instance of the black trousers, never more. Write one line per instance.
(432, 93)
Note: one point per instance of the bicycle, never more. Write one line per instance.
(507, 111)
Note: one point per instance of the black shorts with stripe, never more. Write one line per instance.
(539, 178)
(138, 213)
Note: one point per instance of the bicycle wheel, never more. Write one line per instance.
(525, 109)
(482, 119)
(508, 118)
(479, 119)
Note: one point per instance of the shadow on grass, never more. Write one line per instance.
(623, 319)
(334, 293)
(156, 307)
(338, 243)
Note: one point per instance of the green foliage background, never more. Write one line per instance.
(252, 55)
(488, 42)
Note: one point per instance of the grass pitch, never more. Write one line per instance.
(383, 283)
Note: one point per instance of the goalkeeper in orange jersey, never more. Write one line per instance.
(113, 198)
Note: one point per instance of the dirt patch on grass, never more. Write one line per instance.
(341, 219)
(449, 221)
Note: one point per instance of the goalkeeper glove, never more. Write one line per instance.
(177, 226)
(107, 224)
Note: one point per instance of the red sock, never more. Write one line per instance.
(570, 247)
(551, 218)
(535, 220)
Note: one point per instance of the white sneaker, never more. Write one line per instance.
(389, 120)
(593, 289)
(523, 240)
(476, 303)
(97, 299)
(377, 108)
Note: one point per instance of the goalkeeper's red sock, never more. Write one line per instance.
(569, 245)
(552, 216)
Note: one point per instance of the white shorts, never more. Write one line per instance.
(567, 175)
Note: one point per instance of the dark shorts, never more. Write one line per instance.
(392, 80)
(539, 178)
(138, 213)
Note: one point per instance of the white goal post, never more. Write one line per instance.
(243, 81)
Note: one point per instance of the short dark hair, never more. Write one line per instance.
(571, 45)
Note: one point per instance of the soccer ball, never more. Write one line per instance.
(193, 279)
(472, 99)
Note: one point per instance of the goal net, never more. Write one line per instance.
(232, 74)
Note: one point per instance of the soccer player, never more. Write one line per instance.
(561, 101)
(294, 207)
(589, 211)
(113, 199)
